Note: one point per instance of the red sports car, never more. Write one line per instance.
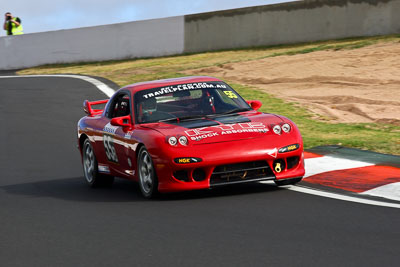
(185, 134)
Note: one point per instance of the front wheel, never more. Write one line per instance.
(148, 182)
(291, 181)
(91, 169)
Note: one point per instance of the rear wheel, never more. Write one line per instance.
(91, 169)
(148, 182)
(291, 181)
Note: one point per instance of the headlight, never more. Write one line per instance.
(286, 128)
(183, 140)
(277, 129)
(172, 141)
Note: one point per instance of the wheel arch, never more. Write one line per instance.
(140, 145)
(82, 139)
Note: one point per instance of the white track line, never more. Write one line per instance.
(100, 85)
(320, 193)
(341, 197)
(328, 164)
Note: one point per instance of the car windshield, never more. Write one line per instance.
(187, 101)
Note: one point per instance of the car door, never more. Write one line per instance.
(114, 137)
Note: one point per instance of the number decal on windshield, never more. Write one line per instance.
(230, 94)
(111, 154)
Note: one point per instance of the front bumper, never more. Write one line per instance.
(227, 163)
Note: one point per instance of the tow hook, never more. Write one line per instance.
(279, 165)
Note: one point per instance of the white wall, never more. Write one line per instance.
(301, 21)
(149, 38)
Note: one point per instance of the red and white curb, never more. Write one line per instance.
(390, 191)
(323, 164)
(363, 178)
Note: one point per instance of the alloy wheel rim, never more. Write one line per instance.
(88, 163)
(146, 172)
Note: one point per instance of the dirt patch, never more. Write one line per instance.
(359, 85)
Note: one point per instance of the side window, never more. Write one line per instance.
(120, 106)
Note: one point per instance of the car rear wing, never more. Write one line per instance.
(87, 107)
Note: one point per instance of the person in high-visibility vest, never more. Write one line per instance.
(12, 25)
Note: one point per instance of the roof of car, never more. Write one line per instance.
(166, 82)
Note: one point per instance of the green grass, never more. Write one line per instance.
(376, 137)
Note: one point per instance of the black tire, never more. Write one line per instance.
(288, 181)
(148, 182)
(91, 169)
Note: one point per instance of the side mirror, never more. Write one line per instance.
(124, 121)
(254, 104)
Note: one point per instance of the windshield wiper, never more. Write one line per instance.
(229, 112)
(185, 118)
(167, 120)
(196, 117)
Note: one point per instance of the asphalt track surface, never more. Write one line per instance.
(50, 217)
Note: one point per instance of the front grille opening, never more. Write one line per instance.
(240, 166)
(182, 175)
(292, 162)
(199, 175)
(241, 172)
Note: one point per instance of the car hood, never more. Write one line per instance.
(242, 126)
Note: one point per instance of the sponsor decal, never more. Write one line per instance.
(217, 130)
(183, 87)
(104, 168)
(128, 135)
(187, 160)
(110, 128)
(289, 148)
